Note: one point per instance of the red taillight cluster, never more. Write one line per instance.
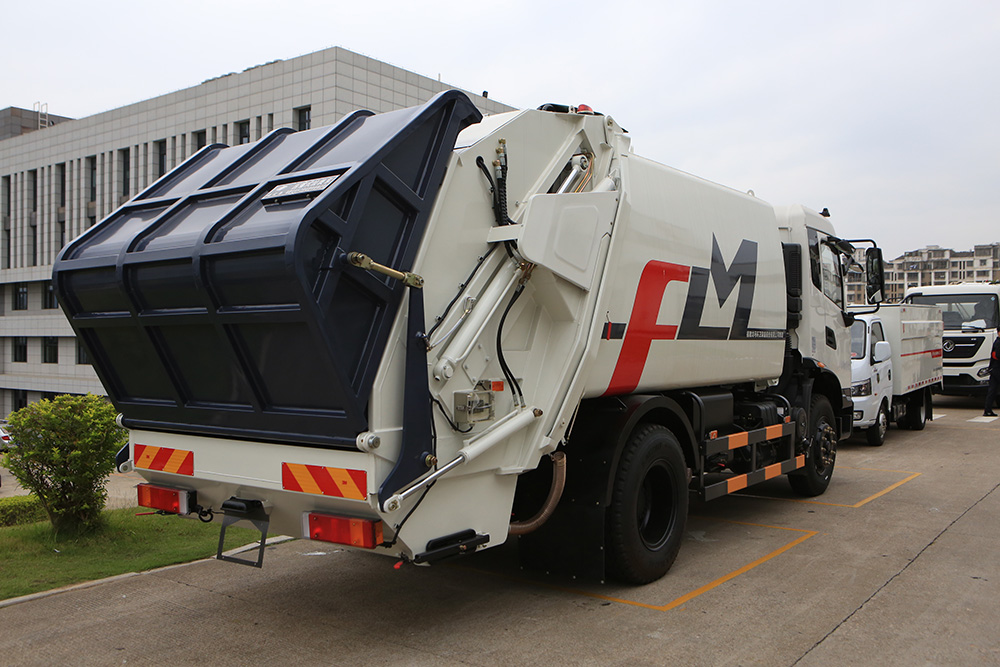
(353, 532)
(174, 501)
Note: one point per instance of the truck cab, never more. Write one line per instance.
(970, 315)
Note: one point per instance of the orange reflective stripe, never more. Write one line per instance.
(176, 459)
(321, 480)
(736, 483)
(772, 471)
(345, 485)
(304, 478)
(738, 440)
(144, 455)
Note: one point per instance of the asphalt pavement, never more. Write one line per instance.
(897, 564)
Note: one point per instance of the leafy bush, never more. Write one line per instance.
(18, 510)
(65, 450)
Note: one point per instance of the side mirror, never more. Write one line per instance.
(875, 283)
(882, 352)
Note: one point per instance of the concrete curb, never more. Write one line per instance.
(127, 575)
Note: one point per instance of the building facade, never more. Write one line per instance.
(932, 265)
(61, 176)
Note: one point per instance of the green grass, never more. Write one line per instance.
(32, 559)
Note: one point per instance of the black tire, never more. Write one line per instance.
(649, 505)
(876, 433)
(916, 411)
(821, 453)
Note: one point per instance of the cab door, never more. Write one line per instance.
(881, 370)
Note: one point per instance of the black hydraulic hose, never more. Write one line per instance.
(494, 195)
(515, 388)
(461, 288)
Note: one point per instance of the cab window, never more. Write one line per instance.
(824, 263)
(877, 335)
(858, 339)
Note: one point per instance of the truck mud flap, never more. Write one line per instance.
(238, 509)
(220, 300)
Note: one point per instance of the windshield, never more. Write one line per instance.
(858, 339)
(977, 311)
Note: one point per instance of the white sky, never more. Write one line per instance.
(886, 112)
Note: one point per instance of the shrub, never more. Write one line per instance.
(65, 450)
(18, 510)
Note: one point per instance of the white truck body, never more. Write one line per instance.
(971, 316)
(893, 385)
(582, 303)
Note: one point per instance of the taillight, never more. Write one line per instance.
(353, 532)
(174, 501)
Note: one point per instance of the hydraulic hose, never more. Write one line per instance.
(555, 493)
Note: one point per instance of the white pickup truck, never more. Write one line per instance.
(896, 358)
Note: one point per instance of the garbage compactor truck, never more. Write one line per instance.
(422, 331)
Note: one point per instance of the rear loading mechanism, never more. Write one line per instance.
(222, 301)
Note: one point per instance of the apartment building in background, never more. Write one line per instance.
(932, 265)
(60, 176)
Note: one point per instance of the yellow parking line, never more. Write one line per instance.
(687, 597)
(891, 487)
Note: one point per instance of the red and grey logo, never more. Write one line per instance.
(642, 328)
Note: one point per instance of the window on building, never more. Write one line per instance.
(303, 118)
(49, 300)
(20, 399)
(33, 190)
(243, 131)
(5, 203)
(20, 297)
(81, 353)
(160, 149)
(125, 169)
(92, 178)
(200, 139)
(48, 395)
(19, 349)
(61, 182)
(50, 350)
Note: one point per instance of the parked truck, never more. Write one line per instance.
(422, 331)
(971, 316)
(896, 361)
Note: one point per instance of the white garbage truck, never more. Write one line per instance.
(896, 361)
(971, 315)
(420, 332)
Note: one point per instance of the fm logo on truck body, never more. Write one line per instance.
(642, 328)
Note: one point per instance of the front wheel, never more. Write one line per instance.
(876, 434)
(821, 452)
(649, 504)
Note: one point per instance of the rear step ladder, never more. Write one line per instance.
(239, 509)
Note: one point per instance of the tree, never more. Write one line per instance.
(63, 451)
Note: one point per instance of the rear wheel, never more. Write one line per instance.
(649, 503)
(821, 453)
(916, 411)
(876, 433)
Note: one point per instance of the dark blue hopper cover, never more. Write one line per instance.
(219, 300)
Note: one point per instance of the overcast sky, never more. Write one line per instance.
(886, 112)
